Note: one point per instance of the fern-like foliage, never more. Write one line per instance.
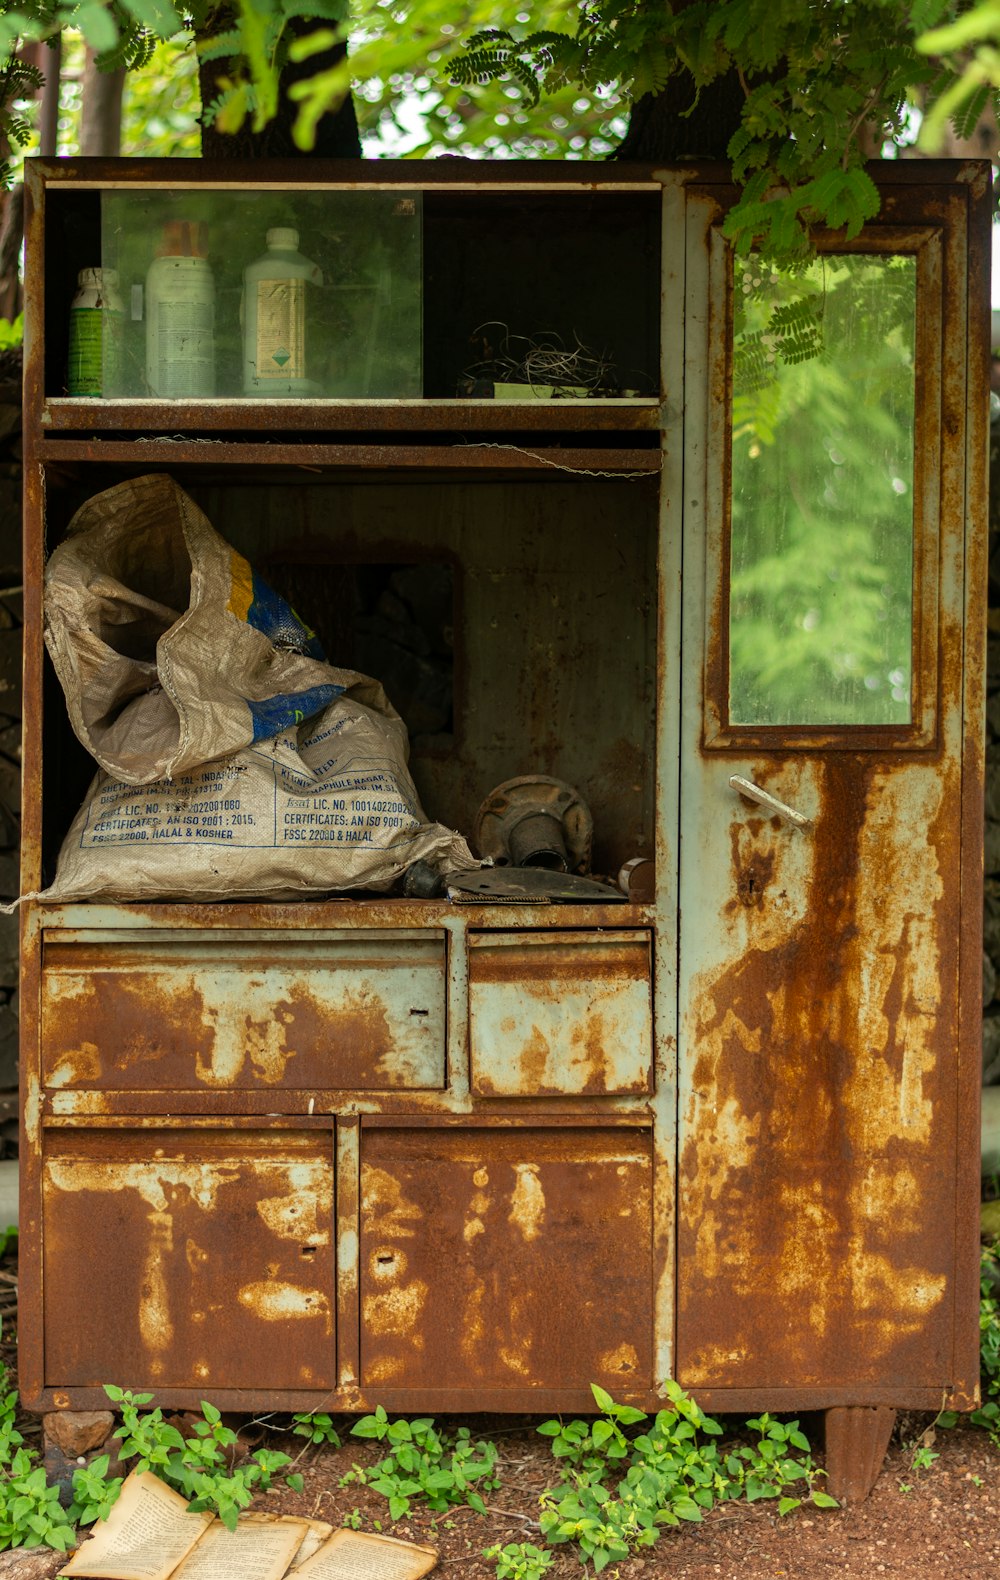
(814, 77)
(494, 55)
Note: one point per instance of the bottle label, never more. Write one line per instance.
(84, 375)
(181, 338)
(95, 351)
(281, 329)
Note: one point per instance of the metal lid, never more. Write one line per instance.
(285, 237)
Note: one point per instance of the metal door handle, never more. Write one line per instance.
(766, 799)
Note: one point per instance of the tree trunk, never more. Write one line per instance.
(336, 135)
(679, 124)
(101, 110)
(48, 59)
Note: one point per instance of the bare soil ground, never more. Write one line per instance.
(944, 1522)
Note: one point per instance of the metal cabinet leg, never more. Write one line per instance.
(857, 1437)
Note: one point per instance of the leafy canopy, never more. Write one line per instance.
(819, 79)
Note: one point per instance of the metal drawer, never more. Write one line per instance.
(560, 1014)
(183, 1011)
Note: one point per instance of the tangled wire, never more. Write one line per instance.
(541, 361)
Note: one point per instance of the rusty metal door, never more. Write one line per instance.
(828, 1067)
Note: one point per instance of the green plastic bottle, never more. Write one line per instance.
(96, 321)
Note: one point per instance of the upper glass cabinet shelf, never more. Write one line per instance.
(255, 294)
(306, 290)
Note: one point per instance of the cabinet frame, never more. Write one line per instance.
(456, 438)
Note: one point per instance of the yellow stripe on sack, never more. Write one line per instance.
(241, 587)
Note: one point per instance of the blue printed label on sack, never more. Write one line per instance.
(275, 714)
(257, 604)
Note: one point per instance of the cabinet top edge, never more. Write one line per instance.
(451, 173)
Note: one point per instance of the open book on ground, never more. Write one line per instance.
(151, 1535)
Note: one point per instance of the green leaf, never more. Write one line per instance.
(823, 1500)
(158, 16)
(686, 1509)
(786, 1505)
(628, 1415)
(603, 1400)
(96, 23)
(475, 1502)
(295, 1482)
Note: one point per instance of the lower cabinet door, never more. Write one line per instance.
(189, 1258)
(506, 1258)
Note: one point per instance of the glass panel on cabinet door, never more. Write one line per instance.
(821, 601)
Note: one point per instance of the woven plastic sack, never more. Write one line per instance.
(326, 806)
(237, 763)
(171, 650)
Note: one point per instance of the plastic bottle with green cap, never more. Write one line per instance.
(277, 288)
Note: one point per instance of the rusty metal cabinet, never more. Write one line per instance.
(440, 1156)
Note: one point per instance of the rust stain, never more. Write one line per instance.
(201, 1251)
(552, 1017)
(165, 1029)
(514, 1230)
(752, 867)
(532, 1060)
(818, 1071)
(274, 1301)
(527, 1207)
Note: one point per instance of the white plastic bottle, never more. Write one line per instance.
(276, 314)
(180, 316)
(96, 322)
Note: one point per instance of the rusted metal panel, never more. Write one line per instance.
(451, 416)
(819, 971)
(969, 1070)
(186, 1011)
(823, 1124)
(493, 1256)
(175, 1258)
(470, 454)
(348, 1185)
(30, 1284)
(565, 1015)
(352, 174)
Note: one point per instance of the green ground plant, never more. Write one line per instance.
(988, 1414)
(199, 1467)
(674, 1471)
(30, 1512)
(317, 1429)
(520, 1561)
(422, 1463)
